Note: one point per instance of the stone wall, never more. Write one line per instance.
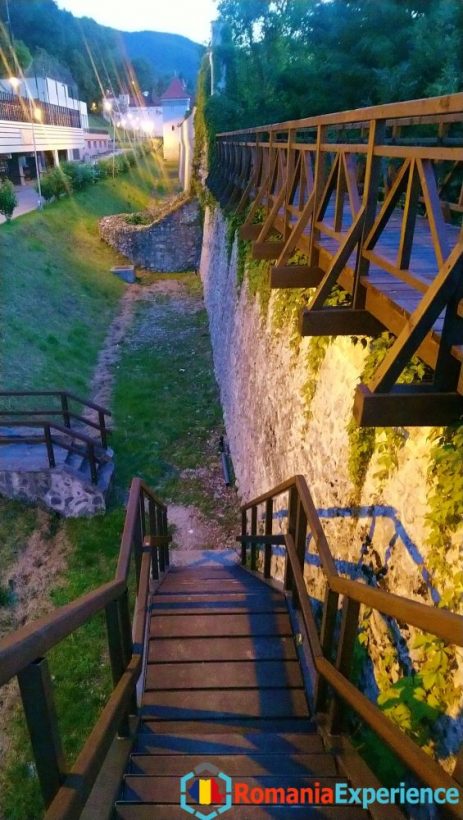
(170, 242)
(273, 434)
(58, 489)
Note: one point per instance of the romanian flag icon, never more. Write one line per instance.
(206, 790)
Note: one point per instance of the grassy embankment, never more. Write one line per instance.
(58, 300)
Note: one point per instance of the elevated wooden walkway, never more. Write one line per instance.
(372, 198)
(223, 685)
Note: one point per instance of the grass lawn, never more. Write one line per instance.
(57, 293)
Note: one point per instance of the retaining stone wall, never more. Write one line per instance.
(171, 243)
(58, 489)
(261, 379)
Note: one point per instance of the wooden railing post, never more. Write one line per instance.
(103, 431)
(376, 135)
(268, 531)
(138, 545)
(126, 640)
(116, 654)
(300, 542)
(165, 547)
(162, 557)
(254, 547)
(319, 181)
(347, 637)
(49, 445)
(330, 611)
(293, 502)
(153, 531)
(244, 532)
(92, 463)
(65, 410)
(39, 708)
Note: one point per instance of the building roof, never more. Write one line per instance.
(176, 91)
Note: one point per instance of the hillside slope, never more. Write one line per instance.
(167, 53)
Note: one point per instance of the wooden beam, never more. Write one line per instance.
(407, 406)
(420, 322)
(267, 250)
(250, 232)
(339, 322)
(295, 276)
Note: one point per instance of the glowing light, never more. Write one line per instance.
(107, 105)
(15, 83)
(38, 114)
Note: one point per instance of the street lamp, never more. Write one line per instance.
(34, 114)
(108, 107)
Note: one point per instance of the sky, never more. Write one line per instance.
(188, 17)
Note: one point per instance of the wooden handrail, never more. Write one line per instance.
(410, 112)
(437, 621)
(59, 393)
(65, 396)
(145, 522)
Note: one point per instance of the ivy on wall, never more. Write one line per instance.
(388, 441)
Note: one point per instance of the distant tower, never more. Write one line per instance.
(175, 102)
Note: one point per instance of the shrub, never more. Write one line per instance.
(104, 168)
(140, 218)
(81, 174)
(8, 200)
(55, 183)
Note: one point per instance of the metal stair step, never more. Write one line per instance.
(242, 765)
(244, 674)
(221, 625)
(140, 811)
(177, 742)
(226, 649)
(149, 789)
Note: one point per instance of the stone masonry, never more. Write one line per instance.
(59, 489)
(168, 244)
(262, 379)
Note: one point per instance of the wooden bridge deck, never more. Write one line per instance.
(223, 685)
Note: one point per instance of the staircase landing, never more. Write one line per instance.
(223, 688)
(66, 488)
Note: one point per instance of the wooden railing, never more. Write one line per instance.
(373, 199)
(9, 417)
(333, 687)
(23, 654)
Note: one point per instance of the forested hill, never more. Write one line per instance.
(166, 53)
(96, 57)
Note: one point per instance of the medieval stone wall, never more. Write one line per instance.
(171, 242)
(275, 431)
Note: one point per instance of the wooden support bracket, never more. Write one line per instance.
(407, 406)
(267, 250)
(295, 276)
(250, 232)
(339, 322)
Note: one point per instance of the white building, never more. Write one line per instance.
(38, 114)
(175, 101)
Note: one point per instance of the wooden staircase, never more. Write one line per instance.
(221, 665)
(223, 685)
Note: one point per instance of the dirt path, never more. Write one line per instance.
(193, 529)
